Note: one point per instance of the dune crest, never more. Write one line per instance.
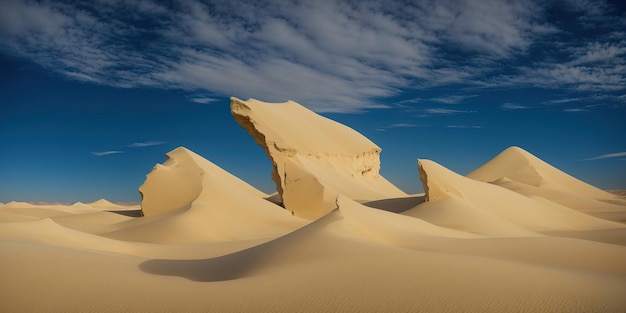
(176, 183)
(188, 199)
(314, 158)
(440, 184)
(518, 165)
(102, 203)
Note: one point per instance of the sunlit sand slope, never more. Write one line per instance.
(466, 204)
(189, 199)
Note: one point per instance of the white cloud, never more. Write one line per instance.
(452, 99)
(445, 111)
(102, 153)
(490, 26)
(599, 52)
(608, 156)
(465, 126)
(202, 100)
(564, 100)
(145, 144)
(406, 104)
(575, 110)
(591, 67)
(401, 125)
(329, 55)
(398, 125)
(512, 106)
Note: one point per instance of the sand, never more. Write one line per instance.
(516, 235)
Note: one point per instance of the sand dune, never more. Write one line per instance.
(344, 261)
(189, 199)
(462, 215)
(19, 204)
(314, 158)
(518, 165)
(18, 213)
(93, 222)
(520, 171)
(516, 235)
(528, 213)
(105, 205)
(175, 184)
(23, 211)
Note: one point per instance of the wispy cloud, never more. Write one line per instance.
(103, 153)
(564, 100)
(575, 110)
(465, 126)
(402, 125)
(598, 52)
(408, 101)
(452, 99)
(512, 106)
(329, 55)
(145, 144)
(132, 145)
(446, 111)
(399, 125)
(202, 100)
(608, 156)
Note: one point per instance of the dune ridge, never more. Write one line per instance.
(518, 165)
(528, 213)
(193, 200)
(176, 183)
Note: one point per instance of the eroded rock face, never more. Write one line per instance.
(314, 158)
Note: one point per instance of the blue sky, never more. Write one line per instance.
(94, 93)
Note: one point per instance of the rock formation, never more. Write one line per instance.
(314, 158)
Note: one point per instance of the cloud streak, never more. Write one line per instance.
(512, 106)
(202, 100)
(452, 99)
(103, 153)
(398, 125)
(465, 126)
(608, 156)
(446, 111)
(145, 144)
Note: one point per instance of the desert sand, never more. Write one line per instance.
(515, 235)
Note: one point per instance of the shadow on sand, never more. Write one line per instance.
(131, 213)
(222, 268)
(396, 205)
